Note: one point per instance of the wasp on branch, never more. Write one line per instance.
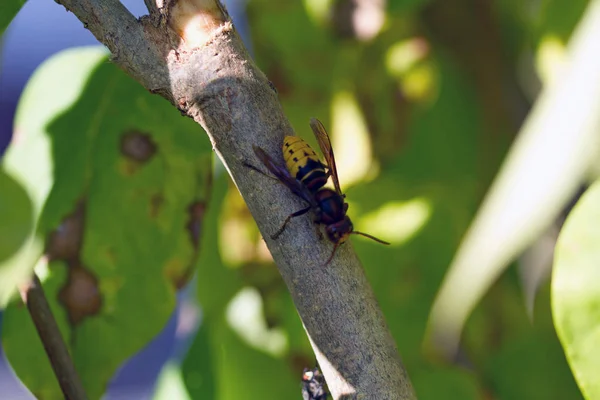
(305, 175)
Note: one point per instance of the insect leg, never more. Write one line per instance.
(252, 167)
(318, 230)
(335, 247)
(296, 214)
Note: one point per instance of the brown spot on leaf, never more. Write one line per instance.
(156, 202)
(176, 272)
(196, 212)
(80, 295)
(180, 281)
(137, 146)
(64, 243)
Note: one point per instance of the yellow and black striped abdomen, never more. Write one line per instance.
(303, 163)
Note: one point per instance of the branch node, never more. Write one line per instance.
(197, 21)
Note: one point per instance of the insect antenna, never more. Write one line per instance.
(370, 237)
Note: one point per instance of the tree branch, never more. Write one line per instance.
(60, 359)
(195, 59)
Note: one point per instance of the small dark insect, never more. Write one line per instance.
(305, 175)
(313, 385)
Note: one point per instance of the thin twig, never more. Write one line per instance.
(60, 359)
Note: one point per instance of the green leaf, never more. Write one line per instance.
(124, 181)
(530, 366)
(222, 366)
(198, 368)
(8, 10)
(170, 384)
(445, 383)
(16, 229)
(214, 298)
(15, 214)
(247, 373)
(575, 295)
(559, 17)
(28, 159)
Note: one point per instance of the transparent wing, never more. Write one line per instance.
(325, 145)
(284, 176)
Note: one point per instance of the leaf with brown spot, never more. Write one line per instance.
(133, 228)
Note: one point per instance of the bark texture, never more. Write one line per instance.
(189, 53)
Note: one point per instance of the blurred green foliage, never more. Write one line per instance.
(422, 100)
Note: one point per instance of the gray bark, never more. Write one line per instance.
(207, 73)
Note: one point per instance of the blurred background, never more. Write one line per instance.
(422, 100)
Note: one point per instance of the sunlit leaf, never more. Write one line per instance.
(15, 214)
(123, 180)
(28, 159)
(16, 238)
(575, 295)
(170, 385)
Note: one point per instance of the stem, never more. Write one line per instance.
(60, 359)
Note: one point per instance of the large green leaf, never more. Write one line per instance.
(575, 294)
(16, 239)
(15, 214)
(28, 159)
(8, 10)
(125, 181)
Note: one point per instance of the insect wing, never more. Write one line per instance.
(325, 145)
(284, 176)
